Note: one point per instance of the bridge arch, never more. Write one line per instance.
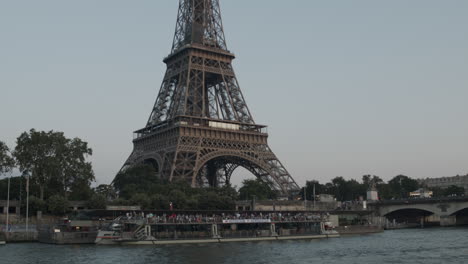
(458, 211)
(411, 216)
(410, 210)
(388, 210)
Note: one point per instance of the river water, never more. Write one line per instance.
(433, 245)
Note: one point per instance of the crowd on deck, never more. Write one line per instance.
(180, 218)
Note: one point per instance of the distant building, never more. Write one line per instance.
(445, 182)
(421, 193)
(14, 207)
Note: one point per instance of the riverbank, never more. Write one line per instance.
(358, 230)
(19, 237)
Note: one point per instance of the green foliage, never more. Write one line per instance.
(227, 191)
(58, 205)
(140, 186)
(17, 185)
(142, 200)
(80, 191)
(368, 180)
(385, 191)
(437, 192)
(107, 191)
(401, 186)
(309, 189)
(35, 205)
(194, 203)
(212, 201)
(160, 202)
(139, 179)
(7, 163)
(256, 188)
(178, 199)
(120, 201)
(97, 201)
(345, 190)
(54, 161)
(454, 191)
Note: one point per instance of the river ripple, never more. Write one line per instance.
(437, 245)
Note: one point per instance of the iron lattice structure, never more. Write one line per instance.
(201, 129)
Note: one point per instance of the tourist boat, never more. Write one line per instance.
(69, 232)
(198, 228)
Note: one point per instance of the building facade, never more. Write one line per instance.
(445, 182)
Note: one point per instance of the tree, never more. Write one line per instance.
(257, 188)
(178, 199)
(226, 191)
(35, 205)
(97, 201)
(107, 191)
(368, 180)
(7, 163)
(345, 190)
(159, 202)
(401, 186)
(385, 192)
(58, 205)
(53, 160)
(356, 190)
(310, 185)
(80, 190)
(138, 179)
(212, 201)
(17, 185)
(142, 200)
(454, 191)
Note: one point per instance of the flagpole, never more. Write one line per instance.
(314, 196)
(27, 207)
(305, 197)
(8, 206)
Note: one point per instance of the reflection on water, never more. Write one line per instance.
(441, 245)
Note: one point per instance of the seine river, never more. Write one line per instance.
(438, 245)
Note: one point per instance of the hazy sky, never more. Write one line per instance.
(346, 87)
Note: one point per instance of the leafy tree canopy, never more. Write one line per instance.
(58, 205)
(256, 188)
(7, 163)
(454, 191)
(53, 160)
(108, 191)
(401, 186)
(138, 179)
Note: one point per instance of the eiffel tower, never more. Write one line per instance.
(200, 129)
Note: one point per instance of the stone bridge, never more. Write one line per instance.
(445, 211)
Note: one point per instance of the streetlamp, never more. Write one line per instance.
(27, 206)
